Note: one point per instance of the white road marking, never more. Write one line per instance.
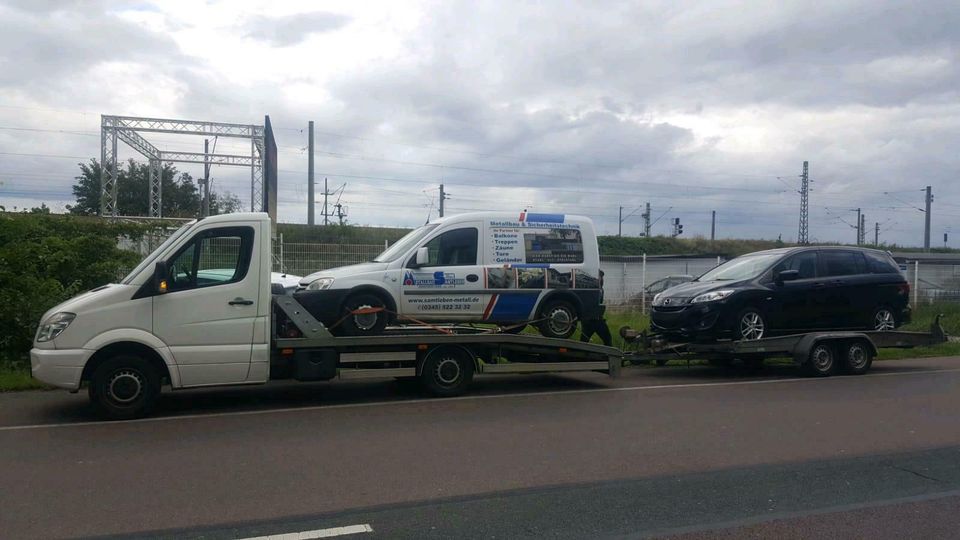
(471, 398)
(318, 533)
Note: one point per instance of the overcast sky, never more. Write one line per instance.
(552, 106)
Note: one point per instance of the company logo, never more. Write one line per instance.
(432, 279)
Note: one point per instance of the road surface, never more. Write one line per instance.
(693, 452)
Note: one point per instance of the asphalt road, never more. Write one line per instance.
(687, 452)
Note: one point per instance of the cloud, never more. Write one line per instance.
(288, 30)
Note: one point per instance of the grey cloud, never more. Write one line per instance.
(292, 29)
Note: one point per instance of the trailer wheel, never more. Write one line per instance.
(822, 361)
(857, 357)
(124, 387)
(447, 371)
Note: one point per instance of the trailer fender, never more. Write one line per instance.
(801, 352)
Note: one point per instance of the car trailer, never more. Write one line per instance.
(443, 359)
(818, 354)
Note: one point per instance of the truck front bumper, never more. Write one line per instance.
(60, 368)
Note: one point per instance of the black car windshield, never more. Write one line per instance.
(404, 244)
(745, 267)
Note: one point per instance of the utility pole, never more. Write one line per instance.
(876, 233)
(205, 211)
(310, 196)
(340, 213)
(646, 222)
(713, 225)
(926, 217)
(326, 192)
(859, 226)
(863, 229)
(620, 223)
(443, 196)
(803, 235)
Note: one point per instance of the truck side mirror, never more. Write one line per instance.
(160, 274)
(423, 256)
(788, 275)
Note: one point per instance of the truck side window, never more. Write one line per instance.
(457, 247)
(213, 257)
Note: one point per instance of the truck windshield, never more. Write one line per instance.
(404, 244)
(153, 256)
(746, 267)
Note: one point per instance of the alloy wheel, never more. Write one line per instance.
(751, 326)
(883, 320)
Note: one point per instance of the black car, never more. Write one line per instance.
(784, 291)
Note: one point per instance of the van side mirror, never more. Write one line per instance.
(423, 256)
(788, 275)
(160, 274)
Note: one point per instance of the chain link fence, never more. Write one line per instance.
(301, 259)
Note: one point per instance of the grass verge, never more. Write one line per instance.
(14, 378)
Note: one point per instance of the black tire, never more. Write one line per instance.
(822, 361)
(124, 387)
(750, 325)
(560, 319)
(446, 371)
(368, 324)
(857, 357)
(883, 319)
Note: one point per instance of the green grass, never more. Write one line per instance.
(16, 377)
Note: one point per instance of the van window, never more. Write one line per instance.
(805, 263)
(841, 263)
(554, 246)
(457, 247)
(213, 257)
(878, 263)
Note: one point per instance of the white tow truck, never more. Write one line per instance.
(200, 311)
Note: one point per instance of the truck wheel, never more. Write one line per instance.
(559, 319)
(124, 387)
(822, 361)
(446, 371)
(857, 358)
(363, 324)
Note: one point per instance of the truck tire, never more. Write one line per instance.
(366, 324)
(857, 357)
(124, 387)
(446, 371)
(822, 361)
(559, 319)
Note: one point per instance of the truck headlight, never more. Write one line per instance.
(54, 326)
(712, 296)
(320, 284)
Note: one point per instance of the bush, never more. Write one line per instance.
(46, 259)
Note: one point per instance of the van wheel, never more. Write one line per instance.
(124, 387)
(857, 358)
(822, 361)
(559, 319)
(883, 320)
(446, 371)
(750, 325)
(365, 323)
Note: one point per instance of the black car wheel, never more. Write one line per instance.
(559, 319)
(363, 315)
(884, 320)
(750, 325)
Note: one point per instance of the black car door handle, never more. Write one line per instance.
(240, 302)
(472, 277)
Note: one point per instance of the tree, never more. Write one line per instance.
(180, 195)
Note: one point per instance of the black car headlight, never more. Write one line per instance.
(712, 296)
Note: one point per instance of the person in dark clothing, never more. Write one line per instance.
(597, 326)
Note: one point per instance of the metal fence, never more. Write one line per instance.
(933, 282)
(301, 259)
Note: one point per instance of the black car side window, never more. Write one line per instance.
(878, 263)
(837, 263)
(805, 263)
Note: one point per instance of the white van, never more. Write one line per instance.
(498, 268)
